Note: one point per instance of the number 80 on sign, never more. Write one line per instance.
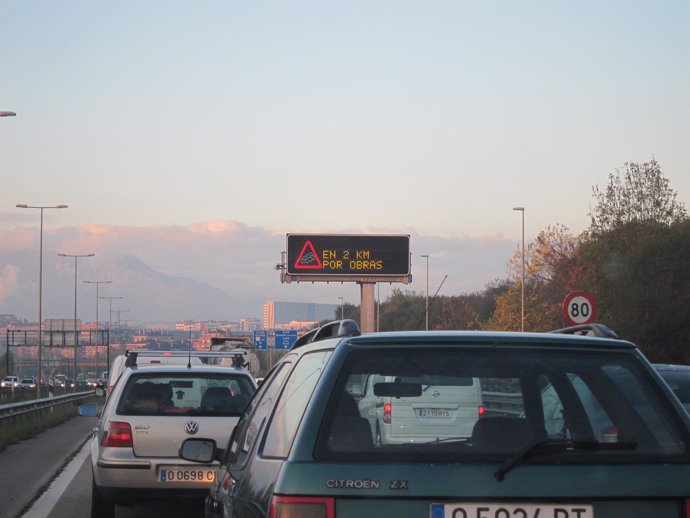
(579, 308)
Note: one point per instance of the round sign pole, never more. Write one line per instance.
(579, 308)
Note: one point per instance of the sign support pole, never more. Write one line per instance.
(368, 307)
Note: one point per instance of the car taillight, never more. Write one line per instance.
(481, 410)
(387, 413)
(687, 508)
(302, 507)
(117, 435)
(228, 481)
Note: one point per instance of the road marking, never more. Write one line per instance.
(45, 503)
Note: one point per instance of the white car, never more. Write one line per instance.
(10, 382)
(149, 413)
(420, 407)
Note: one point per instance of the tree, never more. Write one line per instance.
(551, 272)
(640, 193)
(639, 274)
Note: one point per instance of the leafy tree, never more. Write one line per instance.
(639, 274)
(640, 193)
(402, 311)
(551, 272)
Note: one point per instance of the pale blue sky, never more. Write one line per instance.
(429, 118)
(330, 116)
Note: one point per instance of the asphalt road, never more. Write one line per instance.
(45, 461)
(29, 467)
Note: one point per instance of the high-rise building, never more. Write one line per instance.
(277, 313)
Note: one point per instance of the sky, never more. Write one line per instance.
(426, 118)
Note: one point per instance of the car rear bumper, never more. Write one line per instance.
(134, 495)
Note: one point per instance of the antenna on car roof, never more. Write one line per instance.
(189, 350)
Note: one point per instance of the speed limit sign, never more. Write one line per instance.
(579, 308)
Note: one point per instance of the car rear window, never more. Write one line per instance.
(190, 393)
(476, 404)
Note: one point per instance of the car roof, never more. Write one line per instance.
(671, 367)
(182, 369)
(477, 338)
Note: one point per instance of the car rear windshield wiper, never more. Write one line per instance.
(557, 446)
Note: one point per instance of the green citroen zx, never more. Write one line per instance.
(570, 424)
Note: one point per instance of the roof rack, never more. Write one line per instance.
(598, 330)
(335, 329)
(237, 356)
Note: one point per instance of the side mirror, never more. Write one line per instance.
(198, 450)
(100, 391)
(88, 410)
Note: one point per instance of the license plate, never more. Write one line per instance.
(433, 412)
(508, 510)
(192, 474)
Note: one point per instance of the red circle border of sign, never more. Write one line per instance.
(571, 296)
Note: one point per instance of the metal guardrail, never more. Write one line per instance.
(503, 403)
(15, 413)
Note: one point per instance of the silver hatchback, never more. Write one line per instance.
(150, 412)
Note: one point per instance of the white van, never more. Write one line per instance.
(424, 408)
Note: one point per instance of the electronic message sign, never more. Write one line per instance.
(344, 256)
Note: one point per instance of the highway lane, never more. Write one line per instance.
(69, 496)
(49, 475)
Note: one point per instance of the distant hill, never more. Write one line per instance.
(149, 295)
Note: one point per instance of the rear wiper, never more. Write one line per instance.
(557, 446)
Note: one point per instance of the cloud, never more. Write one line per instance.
(8, 280)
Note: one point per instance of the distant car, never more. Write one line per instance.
(10, 382)
(304, 447)
(149, 413)
(678, 378)
(28, 383)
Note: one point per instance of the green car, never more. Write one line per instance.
(565, 425)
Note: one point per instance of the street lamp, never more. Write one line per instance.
(110, 326)
(426, 256)
(522, 296)
(40, 285)
(76, 336)
(342, 308)
(97, 283)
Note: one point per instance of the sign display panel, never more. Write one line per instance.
(348, 255)
(285, 339)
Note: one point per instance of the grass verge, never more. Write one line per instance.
(15, 433)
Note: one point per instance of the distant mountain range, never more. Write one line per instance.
(214, 270)
(148, 295)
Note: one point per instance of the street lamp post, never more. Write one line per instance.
(40, 285)
(426, 256)
(97, 283)
(342, 308)
(76, 335)
(522, 282)
(110, 327)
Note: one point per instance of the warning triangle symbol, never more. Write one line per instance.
(308, 259)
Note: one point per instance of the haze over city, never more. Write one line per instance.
(188, 138)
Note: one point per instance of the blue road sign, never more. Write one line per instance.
(285, 339)
(261, 339)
